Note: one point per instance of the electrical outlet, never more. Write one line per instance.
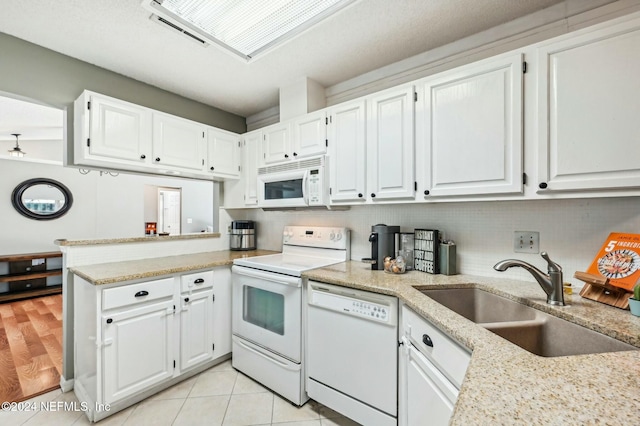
(526, 242)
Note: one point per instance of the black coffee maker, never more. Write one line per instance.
(384, 242)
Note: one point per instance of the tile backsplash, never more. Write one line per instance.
(571, 230)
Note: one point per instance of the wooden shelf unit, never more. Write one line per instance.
(26, 275)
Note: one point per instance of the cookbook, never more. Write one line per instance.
(619, 260)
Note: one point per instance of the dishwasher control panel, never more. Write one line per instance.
(369, 310)
(356, 304)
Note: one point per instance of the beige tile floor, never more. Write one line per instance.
(218, 396)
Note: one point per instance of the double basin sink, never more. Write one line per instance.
(533, 330)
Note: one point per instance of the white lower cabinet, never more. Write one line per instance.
(222, 311)
(138, 349)
(431, 369)
(132, 340)
(196, 319)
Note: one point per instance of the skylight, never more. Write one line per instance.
(246, 27)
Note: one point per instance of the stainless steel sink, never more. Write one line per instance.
(480, 306)
(533, 330)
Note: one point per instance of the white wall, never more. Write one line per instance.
(40, 149)
(571, 231)
(104, 206)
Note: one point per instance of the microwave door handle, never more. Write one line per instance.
(305, 187)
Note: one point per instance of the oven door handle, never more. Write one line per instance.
(267, 356)
(267, 276)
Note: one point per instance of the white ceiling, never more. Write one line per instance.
(117, 35)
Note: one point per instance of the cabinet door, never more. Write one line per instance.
(222, 311)
(243, 192)
(252, 154)
(137, 349)
(196, 340)
(390, 137)
(347, 151)
(277, 143)
(223, 154)
(118, 130)
(588, 110)
(424, 395)
(310, 135)
(470, 130)
(178, 142)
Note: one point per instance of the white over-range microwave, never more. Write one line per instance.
(301, 183)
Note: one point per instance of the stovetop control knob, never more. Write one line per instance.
(338, 236)
(332, 235)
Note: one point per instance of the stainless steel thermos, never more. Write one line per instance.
(242, 235)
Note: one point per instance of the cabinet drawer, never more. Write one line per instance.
(24, 285)
(137, 293)
(448, 355)
(196, 281)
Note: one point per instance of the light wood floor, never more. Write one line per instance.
(30, 347)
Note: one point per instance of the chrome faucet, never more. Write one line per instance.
(551, 283)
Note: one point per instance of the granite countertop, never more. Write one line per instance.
(109, 273)
(63, 242)
(505, 384)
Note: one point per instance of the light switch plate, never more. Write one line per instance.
(526, 242)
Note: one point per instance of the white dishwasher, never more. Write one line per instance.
(352, 340)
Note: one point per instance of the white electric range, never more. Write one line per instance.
(267, 319)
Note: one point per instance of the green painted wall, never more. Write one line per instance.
(40, 74)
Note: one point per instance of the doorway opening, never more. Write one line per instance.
(169, 210)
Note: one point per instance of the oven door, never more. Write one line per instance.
(283, 189)
(267, 310)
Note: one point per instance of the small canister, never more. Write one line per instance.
(448, 258)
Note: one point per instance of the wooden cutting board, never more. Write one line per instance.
(598, 288)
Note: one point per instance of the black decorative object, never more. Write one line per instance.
(425, 253)
(41, 199)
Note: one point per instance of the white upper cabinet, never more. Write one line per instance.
(589, 110)
(347, 151)
(251, 161)
(469, 129)
(277, 143)
(243, 192)
(111, 131)
(301, 137)
(390, 140)
(309, 135)
(223, 153)
(178, 142)
(118, 135)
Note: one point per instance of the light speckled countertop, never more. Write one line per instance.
(506, 384)
(63, 242)
(109, 273)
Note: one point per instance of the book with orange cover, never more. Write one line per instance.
(619, 260)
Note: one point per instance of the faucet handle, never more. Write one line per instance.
(551, 265)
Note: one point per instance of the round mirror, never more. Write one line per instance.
(41, 199)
